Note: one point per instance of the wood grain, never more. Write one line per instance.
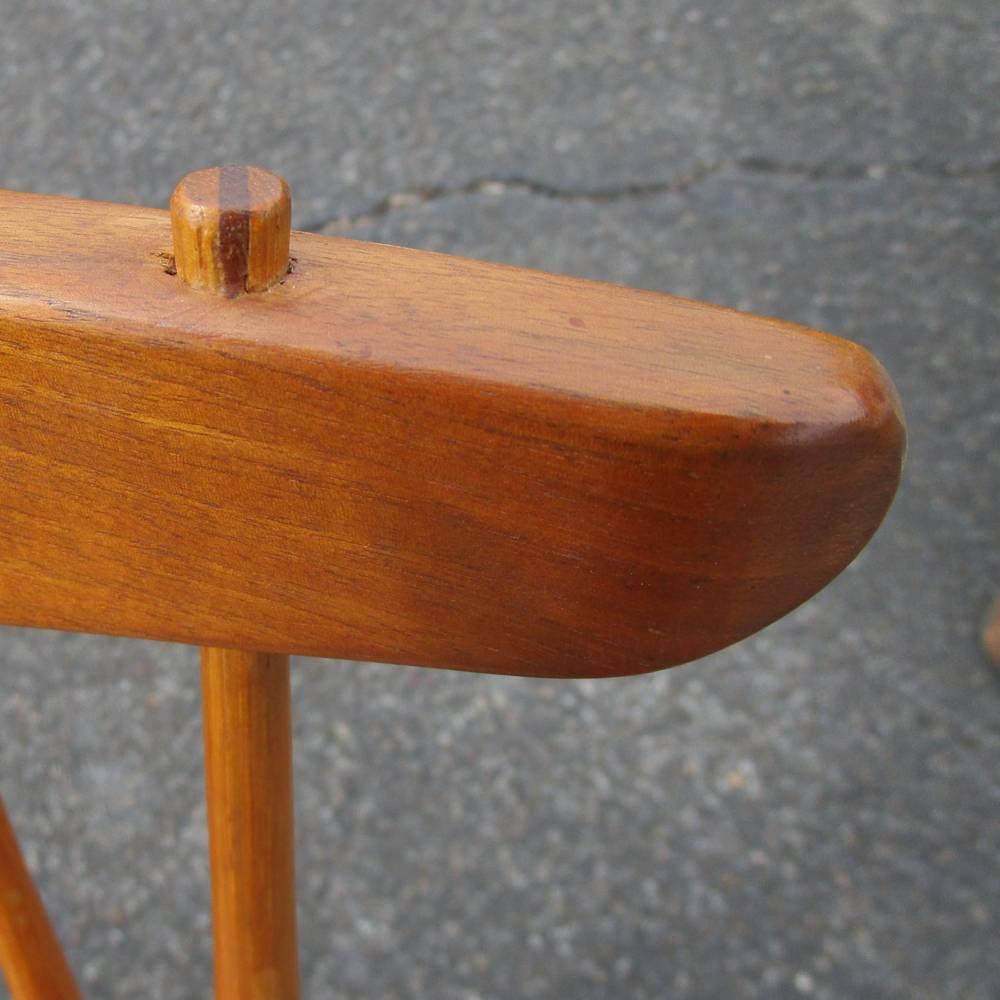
(248, 786)
(430, 460)
(31, 957)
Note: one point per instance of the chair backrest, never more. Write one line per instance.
(375, 453)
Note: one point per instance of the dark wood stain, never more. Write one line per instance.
(234, 227)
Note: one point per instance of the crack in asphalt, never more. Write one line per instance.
(498, 186)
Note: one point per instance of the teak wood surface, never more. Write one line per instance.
(31, 957)
(248, 790)
(401, 456)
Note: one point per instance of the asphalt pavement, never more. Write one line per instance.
(812, 813)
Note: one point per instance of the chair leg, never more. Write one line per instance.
(31, 957)
(248, 771)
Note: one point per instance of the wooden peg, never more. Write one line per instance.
(231, 228)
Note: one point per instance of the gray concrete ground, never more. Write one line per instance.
(811, 813)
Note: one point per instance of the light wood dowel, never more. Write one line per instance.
(31, 957)
(248, 771)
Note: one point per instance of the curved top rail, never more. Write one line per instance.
(408, 457)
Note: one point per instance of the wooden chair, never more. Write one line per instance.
(375, 453)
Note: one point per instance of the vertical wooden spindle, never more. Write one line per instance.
(31, 957)
(248, 771)
(231, 231)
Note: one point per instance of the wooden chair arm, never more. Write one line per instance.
(401, 456)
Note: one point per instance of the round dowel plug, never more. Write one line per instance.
(231, 227)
